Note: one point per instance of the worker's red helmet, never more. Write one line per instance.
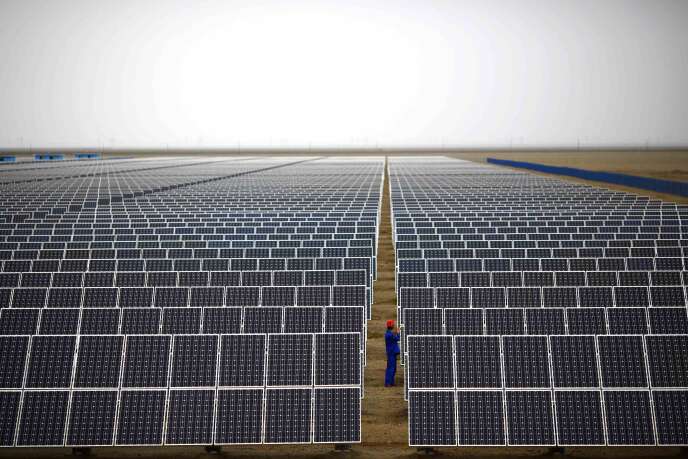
(390, 323)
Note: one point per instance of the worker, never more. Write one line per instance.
(392, 343)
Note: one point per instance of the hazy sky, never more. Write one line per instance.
(358, 73)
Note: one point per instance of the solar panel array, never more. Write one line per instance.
(536, 311)
(204, 301)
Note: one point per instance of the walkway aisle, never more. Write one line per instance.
(384, 412)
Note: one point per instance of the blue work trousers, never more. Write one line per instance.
(391, 371)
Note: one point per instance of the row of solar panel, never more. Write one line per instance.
(201, 246)
(563, 237)
(185, 254)
(530, 219)
(171, 297)
(189, 264)
(180, 241)
(230, 202)
(566, 232)
(186, 278)
(179, 223)
(560, 361)
(536, 297)
(539, 278)
(626, 244)
(507, 253)
(136, 361)
(548, 418)
(522, 202)
(545, 321)
(538, 264)
(178, 417)
(212, 320)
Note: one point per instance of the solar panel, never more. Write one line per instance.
(480, 418)
(666, 356)
(579, 418)
(194, 362)
(432, 418)
(430, 362)
(504, 322)
(290, 360)
(50, 362)
(242, 360)
(668, 321)
(13, 352)
(141, 417)
(628, 418)
(288, 415)
(9, 412)
(526, 362)
(530, 419)
(574, 361)
(190, 417)
(43, 418)
(92, 418)
(239, 416)
(478, 362)
(263, 320)
(671, 416)
(337, 359)
(141, 321)
(19, 321)
(98, 361)
(102, 321)
(463, 321)
(146, 361)
(622, 361)
(337, 415)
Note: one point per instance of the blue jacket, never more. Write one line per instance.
(392, 342)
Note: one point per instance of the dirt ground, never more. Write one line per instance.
(668, 165)
(384, 411)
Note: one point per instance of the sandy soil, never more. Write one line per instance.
(384, 411)
(668, 165)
